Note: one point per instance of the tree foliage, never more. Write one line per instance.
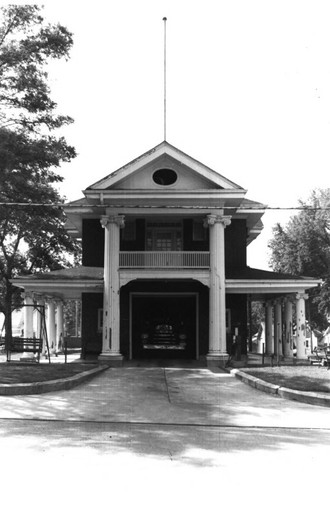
(302, 248)
(32, 236)
(27, 44)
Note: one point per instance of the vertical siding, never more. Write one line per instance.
(139, 243)
(90, 336)
(92, 243)
(188, 239)
(235, 244)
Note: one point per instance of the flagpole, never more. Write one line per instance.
(165, 19)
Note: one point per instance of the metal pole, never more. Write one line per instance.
(278, 344)
(164, 19)
(263, 354)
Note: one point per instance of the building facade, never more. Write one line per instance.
(164, 270)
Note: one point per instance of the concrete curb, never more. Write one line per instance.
(255, 382)
(47, 386)
(307, 397)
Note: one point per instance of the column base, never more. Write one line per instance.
(112, 360)
(217, 360)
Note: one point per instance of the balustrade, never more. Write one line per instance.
(162, 259)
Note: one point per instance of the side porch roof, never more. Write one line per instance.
(71, 283)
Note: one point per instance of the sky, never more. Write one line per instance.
(248, 92)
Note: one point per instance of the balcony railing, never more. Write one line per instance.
(164, 259)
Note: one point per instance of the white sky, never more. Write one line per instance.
(248, 92)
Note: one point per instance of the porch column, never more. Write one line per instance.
(40, 303)
(111, 302)
(217, 302)
(59, 328)
(301, 325)
(287, 337)
(51, 328)
(40, 321)
(269, 328)
(28, 321)
(278, 351)
(28, 315)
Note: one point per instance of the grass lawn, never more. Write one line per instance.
(303, 378)
(12, 373)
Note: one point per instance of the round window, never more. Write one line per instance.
(165, 177)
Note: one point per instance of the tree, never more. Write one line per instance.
(32, 234)
(302, 248)
(27, 44)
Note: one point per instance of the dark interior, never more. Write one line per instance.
(164, 326)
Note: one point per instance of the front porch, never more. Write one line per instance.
(280, 293)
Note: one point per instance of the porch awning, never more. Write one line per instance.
(63, 283)
(260, 282)
(71, 283)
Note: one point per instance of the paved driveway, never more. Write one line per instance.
(161, 438)
(166, 396)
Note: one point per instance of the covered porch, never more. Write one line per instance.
(48, 292)
(284, 298)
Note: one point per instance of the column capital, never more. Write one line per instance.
(38, 297)
(118, 220)
(301, 295)
(212, 219)
(28, 295)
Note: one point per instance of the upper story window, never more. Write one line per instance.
(164, 236)
(165, 177)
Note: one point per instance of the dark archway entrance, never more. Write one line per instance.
(164, 325)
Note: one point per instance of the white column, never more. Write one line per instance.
(269, 328)
(40, 321)
(287, 340)
(28, 315)
(51, 329)
(40, 304)
(278, 329)
(301, 325)
(59, 328)
(217, 301)
(28, 321)
(111, 299)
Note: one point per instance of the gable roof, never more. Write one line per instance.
(133, 190)
(164, 153)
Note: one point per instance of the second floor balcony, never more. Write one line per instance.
(164, 259)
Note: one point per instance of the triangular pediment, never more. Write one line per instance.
(164, 167)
